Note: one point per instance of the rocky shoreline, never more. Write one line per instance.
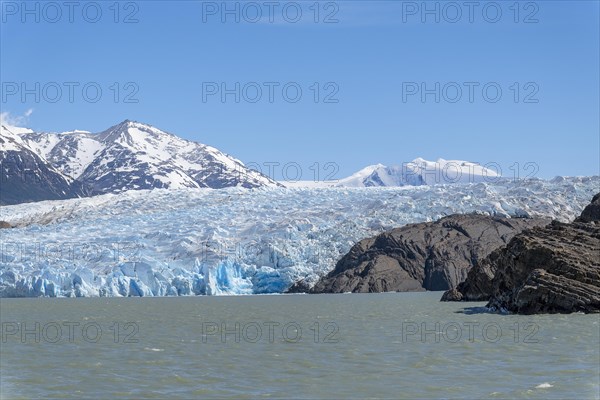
(417, 257)
(517, 265)
(551, 269)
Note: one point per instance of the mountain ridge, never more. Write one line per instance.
(127, 156)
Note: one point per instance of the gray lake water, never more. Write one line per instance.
(396, 345)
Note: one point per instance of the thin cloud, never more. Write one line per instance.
(6, 118)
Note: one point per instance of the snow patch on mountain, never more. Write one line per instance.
(70, 152)
(9, 140)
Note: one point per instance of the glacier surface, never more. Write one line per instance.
(168, 242)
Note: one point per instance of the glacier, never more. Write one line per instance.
(235, 241)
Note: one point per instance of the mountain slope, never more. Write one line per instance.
(25, 176)
(139, 156)
(127, 156)
(69, 152)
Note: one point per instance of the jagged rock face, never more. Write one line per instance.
(555, 269)
(427, 256)
(478, 285)
(551, 269)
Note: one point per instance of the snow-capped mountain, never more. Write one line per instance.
(414, 173)
(133, 156)
(24, 174)
(420, 172)
(138, 156)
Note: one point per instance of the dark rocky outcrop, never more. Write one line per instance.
(555, 269)
(551, 269)
(426, 256)
(591, 212)
(478, 285)
(5, 225)
(300, 286)
(452, 295)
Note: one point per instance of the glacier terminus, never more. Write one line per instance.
(202, 241)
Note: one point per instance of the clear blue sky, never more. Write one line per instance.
(371, 55)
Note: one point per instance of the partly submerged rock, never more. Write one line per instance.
(551, 269)
(452, 295)
(426, 256)
(299, 287)
(555, 269)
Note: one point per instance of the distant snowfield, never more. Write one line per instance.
(234, 241)
(309, 184)
(414, 173)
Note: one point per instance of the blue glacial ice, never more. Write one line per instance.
(234, 241)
